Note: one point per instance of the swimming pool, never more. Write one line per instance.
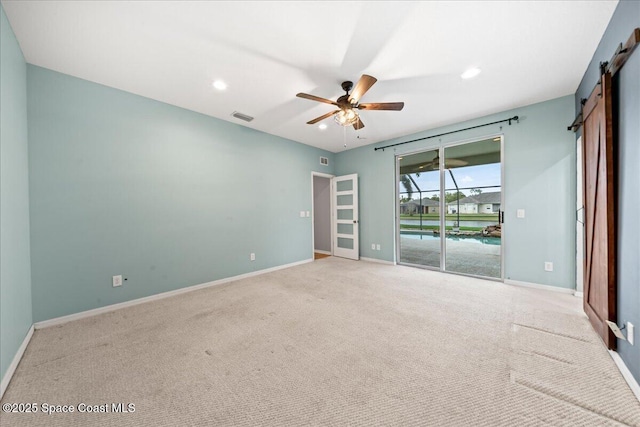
(451, 237)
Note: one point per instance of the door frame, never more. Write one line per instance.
(313, 211)
(580, 247)
(441, 147)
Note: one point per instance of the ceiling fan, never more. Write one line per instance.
(348, 103)
(448, 163)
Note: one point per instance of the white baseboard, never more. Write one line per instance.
(538, 286)
(626, 373)
(6, 379)
(379, 261)
(322, 252)
(113, 307)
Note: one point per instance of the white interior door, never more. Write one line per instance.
(345, 216)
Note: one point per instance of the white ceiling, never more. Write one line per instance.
(529, 51)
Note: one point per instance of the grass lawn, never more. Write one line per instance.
(454, 217)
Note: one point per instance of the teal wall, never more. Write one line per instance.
(626, 119)
(15, 269)
(539, 169)
(169, 198)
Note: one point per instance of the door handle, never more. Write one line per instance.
(355, 222)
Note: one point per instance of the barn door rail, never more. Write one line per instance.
(618, 59)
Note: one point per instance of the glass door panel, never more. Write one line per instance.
(473, 191)
(419, 212)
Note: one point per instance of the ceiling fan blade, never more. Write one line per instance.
(316, 98)
(455, 162)
(394, 106)
(449, 163)
(322, 117)
(363, 85)
(428, 165)
(358, 124)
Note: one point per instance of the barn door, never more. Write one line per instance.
(598, 190)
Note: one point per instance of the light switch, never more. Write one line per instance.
(308, 214)
(301, 214)
(520, 213)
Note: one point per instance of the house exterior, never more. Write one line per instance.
(414, 207)
(486, 203)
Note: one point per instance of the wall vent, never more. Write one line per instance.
(241, 116)
(324, 161)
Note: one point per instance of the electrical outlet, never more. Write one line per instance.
(548, 266)
(301, 214)
(630, 329)
(373, 246)
(378, 247)
(117, 281)
(252, 257)
(520, 213)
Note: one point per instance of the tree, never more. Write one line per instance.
(406, 183)
(452, 197)
(476, 191)
(405, 180)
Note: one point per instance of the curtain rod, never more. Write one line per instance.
(514, 118)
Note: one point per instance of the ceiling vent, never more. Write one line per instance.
(241, 116)
(324, 161)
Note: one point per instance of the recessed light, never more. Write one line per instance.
(322, 126)
(220, 85)
(471, 73)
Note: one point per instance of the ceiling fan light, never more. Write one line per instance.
(346, 117)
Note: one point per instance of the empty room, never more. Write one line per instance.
(366, 213)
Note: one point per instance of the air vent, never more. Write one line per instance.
(241, 116)
(324, 161)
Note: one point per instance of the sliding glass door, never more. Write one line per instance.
(449, 208)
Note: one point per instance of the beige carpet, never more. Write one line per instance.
(333, 342)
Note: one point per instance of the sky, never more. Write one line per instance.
(466, 176)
